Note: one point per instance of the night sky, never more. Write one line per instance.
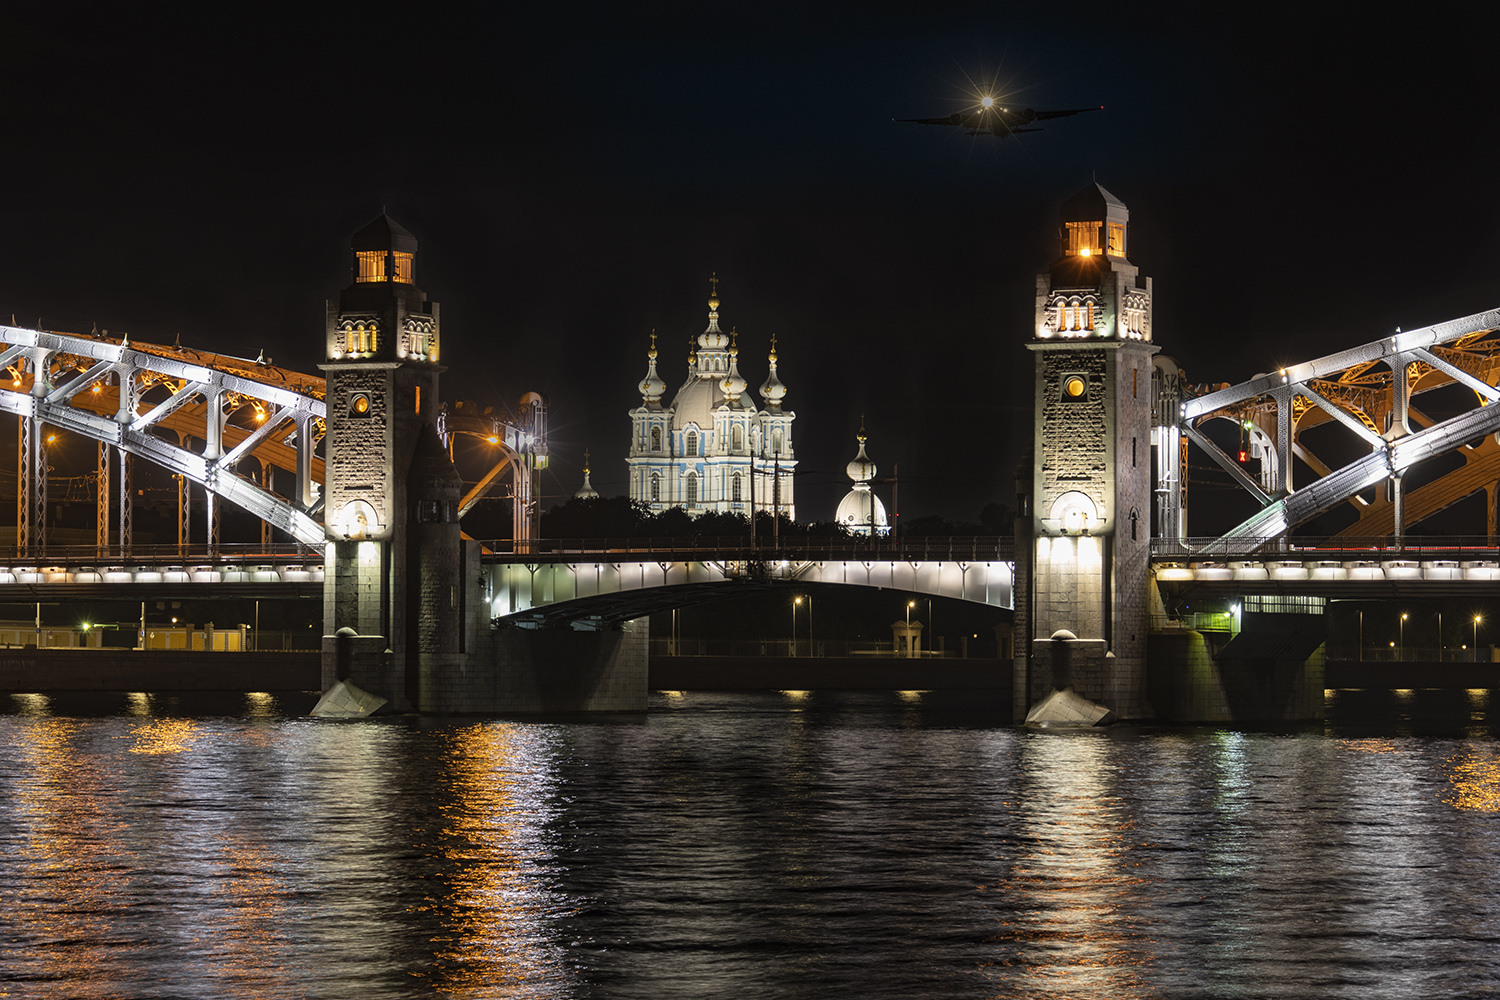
(1295, 187)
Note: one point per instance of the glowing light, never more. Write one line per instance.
(988, 102)
(492, 439)
(1085, 251)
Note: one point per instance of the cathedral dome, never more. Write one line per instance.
(861, 469)
(861, 510)
(858, 508)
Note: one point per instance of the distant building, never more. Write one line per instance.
(861, 511)
(586, 491)
(712, 449)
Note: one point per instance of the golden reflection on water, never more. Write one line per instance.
(72, 865)
(33, 705)
(164, 736)
(1371, 745)
(493, 917)
(1075, 935)
(1475, 779)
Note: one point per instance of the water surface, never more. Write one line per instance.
(747, 845)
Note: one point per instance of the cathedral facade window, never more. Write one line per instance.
(656, 440)
(692, 490)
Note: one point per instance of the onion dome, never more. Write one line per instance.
(733, 384)
(772, 391)
(712, 338)
(652, 386)
(861, 511)
(861, 470)
(587, 492)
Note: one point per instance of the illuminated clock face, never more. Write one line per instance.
(1074, 387)
(360, 404)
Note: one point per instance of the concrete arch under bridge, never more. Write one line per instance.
(591, 586)
(153, 402)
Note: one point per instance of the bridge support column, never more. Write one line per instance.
(1398, 509)
(125, 503)
(23, 477)
(37, 521)
(101, 499)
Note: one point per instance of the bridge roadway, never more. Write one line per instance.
(601, 582)
(552, 581)
(280, 570)
(1367, 569)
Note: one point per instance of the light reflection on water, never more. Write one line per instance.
(785, 844)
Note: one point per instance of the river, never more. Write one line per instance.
(747, 845)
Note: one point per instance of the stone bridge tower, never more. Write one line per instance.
(382, 368)
(1085, 546)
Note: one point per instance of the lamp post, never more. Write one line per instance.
(909, 606)
(1440, 637)
(796, 601)
(1401, 638)
(809, 626)
(1476, 638)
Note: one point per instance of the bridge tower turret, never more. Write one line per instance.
(1087, 538)
(383, 345)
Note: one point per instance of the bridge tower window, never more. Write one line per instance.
(403, 267)
(1083, 238)
(371, 265)
(1116, 239)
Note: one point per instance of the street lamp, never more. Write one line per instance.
(1476, 638)
(1401, 638)
(795, 603)
(909, 606)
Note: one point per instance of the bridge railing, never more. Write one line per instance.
(1333, 548)
(93, 555)
(966, 548)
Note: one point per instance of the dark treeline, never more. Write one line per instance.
(620, 517)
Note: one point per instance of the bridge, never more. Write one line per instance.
(350, 474)
(601, 583)
(245, 431)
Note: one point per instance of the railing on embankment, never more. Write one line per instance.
(42, 670)
(1334, 548)
(1410, 674)
(802, 548)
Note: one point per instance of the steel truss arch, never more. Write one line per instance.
(1367, 389)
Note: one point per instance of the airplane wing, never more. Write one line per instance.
(950, 120)
(1042, 116)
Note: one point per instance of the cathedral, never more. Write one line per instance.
(711, 448)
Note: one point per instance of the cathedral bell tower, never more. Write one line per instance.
(1084, 538)
(382, 382)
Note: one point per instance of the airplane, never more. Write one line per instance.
(993, 120)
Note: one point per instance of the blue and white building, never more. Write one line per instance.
(712, 448)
